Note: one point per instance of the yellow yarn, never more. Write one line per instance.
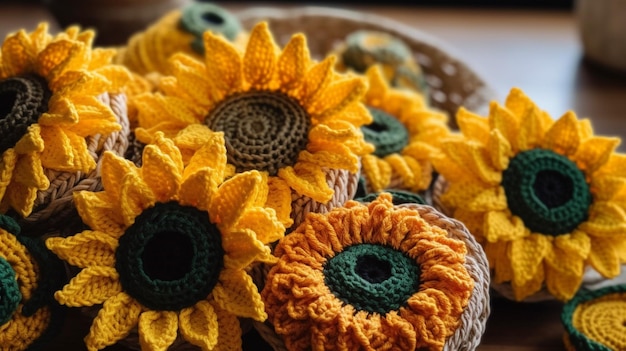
(73, 74)
(602, 320)
(207, 204)
(474, 162)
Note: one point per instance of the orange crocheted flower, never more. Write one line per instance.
(48, 105)
(364, 276)
(168, 249)
(281, 113)
(545, 198)
(405, 133)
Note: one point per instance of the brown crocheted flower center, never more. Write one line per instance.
(263, 130)
(22, 100)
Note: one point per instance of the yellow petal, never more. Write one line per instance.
(527, 255)
(242, 248)
(616, 165)
(475, 158)
(280, 200)
(29, 171)
(157, 330)
(116, 76)
(21, 198)
(193, 137)
(605, 219)
(576, 243)
(7, 165)
(336, 97)
(377, 87)
(60, 56)
(198, 325)
(499, 149)
(349, 161)
(502, 226)
(607, 187)
(58, 153)
(491, 199)
(317, 78)
(264, 223)
(415, 176)
(308, 180)
(377, 172)
(564, 274)
(517, 102)
(212, 154)
(234, 197)
(83, 161)
(161, 173)
(118, 316)
(594, 152)
(259, 60)
(472, 126)
(99, 212)
(91, 286)
(532, 286)
(31, 141)
(89, 248)
(113, 170)
(198, 189)
(191, 78)
(135, 197)
(293, 62)
(533, 128)
(564, 135)
(229, 333)
(236, 293)
(499, 260)
(223, 64)
(604, 257)
(505, 122)
(16, 58)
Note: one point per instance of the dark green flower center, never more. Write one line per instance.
(372, 278)
(199, 17)
(386, 133)
(398, 197)
(547, 191)
(171, 257)
(263, 130)
(22, 100)
(10, 295)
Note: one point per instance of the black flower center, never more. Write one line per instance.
(10, 295)
(547, 191)
(264, 131)
(22, 100)
(373, 278)
(386, 133)
(171, 257)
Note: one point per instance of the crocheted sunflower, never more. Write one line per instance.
(29, 275)
(280, 112)
(364, 276)
(404, 133)
(48, 105)
(545, 198)
(168, 248)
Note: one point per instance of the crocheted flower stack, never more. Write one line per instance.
(545, 198)
(60, 106)
(596, 320)
(168, 248)
(405, 133)
(29, 275)
(377, 276)
(282, 113)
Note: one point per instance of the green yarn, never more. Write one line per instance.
(578, 339)
(365, 48)
(263, 130)
(171, 257)
(10, 295)
(386, 133)
(372, 278)
(22, 100)
(398, 197)
(200, 17)
(9, 224)
(547, 191)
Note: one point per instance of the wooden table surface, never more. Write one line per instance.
(536, 50)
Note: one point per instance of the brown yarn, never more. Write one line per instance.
(55, 205)
(263, 130)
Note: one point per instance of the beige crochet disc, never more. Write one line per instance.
(54, 207)
(473, 319)
(451, 82)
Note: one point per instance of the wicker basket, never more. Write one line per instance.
(473, 319)
(54, 206)
(451, 83)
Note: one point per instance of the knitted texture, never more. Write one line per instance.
(253, 96)
(364, 276)
(365, 48)
(29, 274)
(405, 133)
(48, 93)
(543, 197)
(168, 248)
(596, 320)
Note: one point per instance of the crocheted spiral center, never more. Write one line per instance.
(388, 135)
(22, 100)
(604, 320)
(547, 191)
(372, 278)
(171, 257)
(263, 130)
(10, 295)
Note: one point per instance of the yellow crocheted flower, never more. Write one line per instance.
(545, 198)
(168, 248)
(281, 113)
(48, 105)
(404, 132)
(364, 276)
